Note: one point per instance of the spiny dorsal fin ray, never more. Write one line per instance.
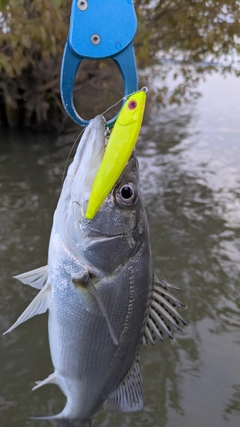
(163, 317)
(39, 305)
(172, 316)
(170, 305)
(36, 278)
(164, 284)
(128, 396)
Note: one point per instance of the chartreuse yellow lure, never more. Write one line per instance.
(118, 151)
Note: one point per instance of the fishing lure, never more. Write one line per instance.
(118, 151)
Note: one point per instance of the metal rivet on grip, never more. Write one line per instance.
(95, 39)
(82, 4)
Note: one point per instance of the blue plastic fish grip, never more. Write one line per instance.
(99, 29)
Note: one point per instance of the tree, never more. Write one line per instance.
(182, 32)
(198, 36)
(31, 40)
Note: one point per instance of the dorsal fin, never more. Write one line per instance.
(128, 396)
(163, 317)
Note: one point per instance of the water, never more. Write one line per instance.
(190, 176)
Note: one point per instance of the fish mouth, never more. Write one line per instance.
(96, 234)
(86, 227)
(99, 238)
(86, 162)
(81, 207)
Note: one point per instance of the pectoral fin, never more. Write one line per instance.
(39, 305)
(36, 278)
(85, 281)
(103, 310)
(163, 317)
(128, 396)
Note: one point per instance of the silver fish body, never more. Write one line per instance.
(113, 250)
(99, 288)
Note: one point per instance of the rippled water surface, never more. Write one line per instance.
(190, 177)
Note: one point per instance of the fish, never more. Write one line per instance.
(121, 143)
(103, 299)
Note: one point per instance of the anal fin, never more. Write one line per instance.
(128, 396)
(39, 305)
(51, 379)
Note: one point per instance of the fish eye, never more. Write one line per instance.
(132, 105)
(126, 194)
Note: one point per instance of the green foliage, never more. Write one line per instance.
(33, 33)
(3, 4)
(195, 27)
(184, 34)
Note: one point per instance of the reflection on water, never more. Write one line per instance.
(189, 163)
(233, 407)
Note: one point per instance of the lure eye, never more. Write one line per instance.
(126, 194)
(132, 105)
